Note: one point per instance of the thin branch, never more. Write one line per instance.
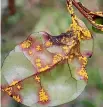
(89, 15)
(12, 7)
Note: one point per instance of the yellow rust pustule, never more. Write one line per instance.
(37, 78)
(8, 90)
(38, 48)
(26, 44)
(17, 98)
(48, 44)
(57, 58)
(82, 72)
(42, 69)
(81, 32)
(43, 97)
(38, 62)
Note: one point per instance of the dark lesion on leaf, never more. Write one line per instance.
(57, 40)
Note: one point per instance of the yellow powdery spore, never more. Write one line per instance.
(13, 83)
(44, 68)
(43, 97)
(48, 44)
(8, 90)
(83, 73)
(57, 58)
(97, 13)
(83, 60)
(38, 62)
(17, 98)
(65, 48)
(70, 58)
(30, 52)
(18, 87)
(70, 8)
(86, 33)
(38, 48)
(81, 33)
(37, 78)
(26, 44)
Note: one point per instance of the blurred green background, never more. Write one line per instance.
(19, 18)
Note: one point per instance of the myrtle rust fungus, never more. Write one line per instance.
(38, 62)
(37, 78)
(43, 97)
(38, 47)
(27, 43)
(82, 72)
(17, 98)
(48, 43)
(42, 69)
(82, 33)
(30, 52)
(57, 58)
(8, 90)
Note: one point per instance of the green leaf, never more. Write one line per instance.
(87, 103)
(98, 20)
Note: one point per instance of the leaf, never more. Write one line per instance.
(98, 20)
(60, 86)
(87, 103)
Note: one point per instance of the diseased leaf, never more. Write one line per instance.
(58, 83)
(60, 86)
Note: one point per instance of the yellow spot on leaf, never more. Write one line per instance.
(44, 68)
(26, 44)
(43, 97)
(83, 60)
(48, 44)
(37, 60)
(30, 52)
(38, 48)
(83, 73)
(66, 49)
(38, 64)
(37, 78)
(17, 98)
(57, 58)
(13, 83)
(8, 90)
(18, 87)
